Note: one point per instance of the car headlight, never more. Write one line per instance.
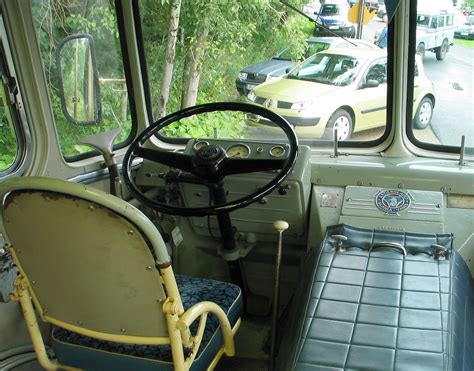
(251, 96)
(303, 105)
(243, 75)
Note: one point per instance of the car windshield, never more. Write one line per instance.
(312, 48)
(330, 9)
(331, 69)
(422, 20)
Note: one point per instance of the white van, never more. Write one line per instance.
(435, 28)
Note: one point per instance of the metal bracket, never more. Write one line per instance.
(439, 251)
(339, 238)
(462, 151)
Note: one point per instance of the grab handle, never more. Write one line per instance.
(393, 245)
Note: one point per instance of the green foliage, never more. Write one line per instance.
(239, 33)
(8, 142)
(226, 124)
(56, 20)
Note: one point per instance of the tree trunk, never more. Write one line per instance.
(193, 66)
(169, 60)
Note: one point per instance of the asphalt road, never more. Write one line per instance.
(453, 79)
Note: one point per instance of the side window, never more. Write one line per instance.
(13, 129)
(378, 72)
(91, 29)
(440, 22)
(8, 140)
(434, 22)
(449, 20)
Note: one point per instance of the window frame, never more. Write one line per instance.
(380, 144)
(131, 94)
(16, 108)
(432, 147)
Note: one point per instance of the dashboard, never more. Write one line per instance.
(238, 149)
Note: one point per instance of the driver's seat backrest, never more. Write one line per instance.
(99, 264)
(97, 268)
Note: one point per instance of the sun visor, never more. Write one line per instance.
(391, 6)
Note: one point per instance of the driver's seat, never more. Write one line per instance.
(98, 270)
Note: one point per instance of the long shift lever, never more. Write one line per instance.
(280, 226)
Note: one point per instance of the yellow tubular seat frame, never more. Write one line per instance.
(178, 321)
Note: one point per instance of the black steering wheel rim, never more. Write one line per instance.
(220, 208)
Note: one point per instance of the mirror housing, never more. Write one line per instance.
(370, 84)
(78, 79)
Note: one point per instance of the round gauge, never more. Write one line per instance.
(200, 144)
(238, 151)
(277, 151)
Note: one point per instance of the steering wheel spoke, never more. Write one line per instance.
(172, 159)
(232, 166)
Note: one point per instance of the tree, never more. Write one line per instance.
(175, 9)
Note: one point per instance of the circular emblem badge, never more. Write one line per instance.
(392, 201)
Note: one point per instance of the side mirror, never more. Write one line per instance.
(370, 84)
(287, 69)
(79, 80)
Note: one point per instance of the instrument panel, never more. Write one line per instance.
(238, 149)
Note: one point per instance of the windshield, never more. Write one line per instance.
(313, 48)
(330, 9)
(331, 69)
(423, 20)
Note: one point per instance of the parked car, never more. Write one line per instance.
(282, 62)
(343, 90)
(434, 28)
(333, 20)
(466, 30)
(372, 4)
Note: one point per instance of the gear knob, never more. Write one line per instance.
(280, 225)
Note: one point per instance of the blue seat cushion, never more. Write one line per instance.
(89, 353)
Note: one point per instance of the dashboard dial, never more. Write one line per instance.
(238, 151)
(200, 144)
(277, 151)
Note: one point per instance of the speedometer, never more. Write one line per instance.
(238, 151)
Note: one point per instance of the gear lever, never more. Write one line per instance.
(280, 226)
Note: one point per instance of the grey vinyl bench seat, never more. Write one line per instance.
(379, 309)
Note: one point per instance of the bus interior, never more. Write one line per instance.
(154, 216)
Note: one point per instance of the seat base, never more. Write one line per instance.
(379, 309)
(85, 352)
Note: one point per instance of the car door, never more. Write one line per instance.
(371, 102)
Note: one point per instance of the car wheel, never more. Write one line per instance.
(442, 50)
(420, 50)
(424, 113)
(342, 121)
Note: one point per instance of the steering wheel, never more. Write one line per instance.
(210, 163)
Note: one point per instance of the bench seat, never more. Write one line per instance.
(366, 308)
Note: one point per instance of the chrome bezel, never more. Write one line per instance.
(279, 147)
(240, 144)
(195, 146)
